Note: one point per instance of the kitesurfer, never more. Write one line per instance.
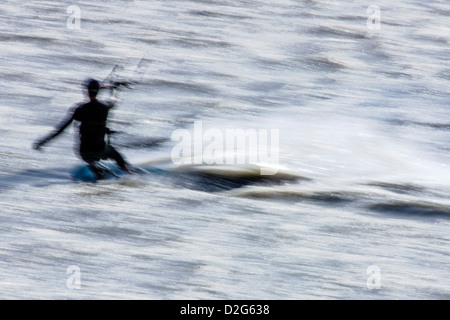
(92, 117)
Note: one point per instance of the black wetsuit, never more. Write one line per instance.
(92, 116)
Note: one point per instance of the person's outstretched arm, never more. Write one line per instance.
(38, 144)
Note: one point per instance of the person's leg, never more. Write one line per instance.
(112, 153)
(92, 159)
(95, 169)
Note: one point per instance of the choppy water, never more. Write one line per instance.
(358, 210)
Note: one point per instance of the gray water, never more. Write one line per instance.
(358, 209)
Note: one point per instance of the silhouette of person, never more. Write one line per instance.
(93, 117)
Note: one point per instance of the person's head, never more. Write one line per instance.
(93, 87)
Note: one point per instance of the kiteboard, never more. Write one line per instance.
(103, 171)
